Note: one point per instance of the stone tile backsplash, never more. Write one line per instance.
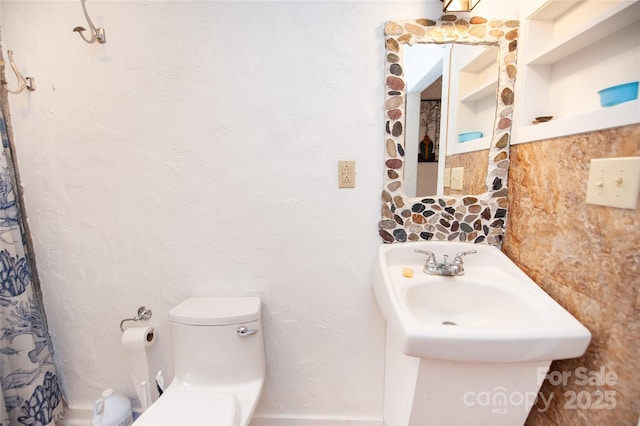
(587, 258)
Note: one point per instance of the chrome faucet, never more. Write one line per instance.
(432, 267)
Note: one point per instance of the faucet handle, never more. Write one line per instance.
(459, 255)
(431, 257)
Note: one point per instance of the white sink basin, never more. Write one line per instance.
(492, 313)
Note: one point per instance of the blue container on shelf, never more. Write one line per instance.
(618, 94)
(464, 137)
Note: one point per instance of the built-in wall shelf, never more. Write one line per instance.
(472, 145)
(587, 22)
(473, 91)
(623, 114)
(488, 88)
(478, 75)
(570, 50)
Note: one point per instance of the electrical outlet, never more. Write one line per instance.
(346, 174)
(456, 177)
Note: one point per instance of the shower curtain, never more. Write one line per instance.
(30, 392)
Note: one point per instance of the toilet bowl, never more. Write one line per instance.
(218, 353)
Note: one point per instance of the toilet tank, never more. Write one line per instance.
(208, 349)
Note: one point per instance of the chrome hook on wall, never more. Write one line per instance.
(97, 34)
(28, 83)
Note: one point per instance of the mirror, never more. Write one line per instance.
(480, 217)
(426, 130)
(466, 77)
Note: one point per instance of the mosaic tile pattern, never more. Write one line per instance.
(479, 218)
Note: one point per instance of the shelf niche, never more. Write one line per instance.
(573, 49)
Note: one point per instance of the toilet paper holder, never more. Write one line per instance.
(144, 313)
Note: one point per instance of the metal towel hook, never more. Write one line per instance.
(97, 34)
(144, 313)
(28, 83)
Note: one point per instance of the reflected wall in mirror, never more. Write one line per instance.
(466, 77)
(425, 79)
(478, 218)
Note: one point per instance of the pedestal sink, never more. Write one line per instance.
(490, 332)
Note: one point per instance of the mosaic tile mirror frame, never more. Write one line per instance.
(477, 218)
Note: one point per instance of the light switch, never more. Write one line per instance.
(456, 177)
(614, 182)
(447, 177)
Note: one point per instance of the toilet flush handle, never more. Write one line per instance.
(244, 331)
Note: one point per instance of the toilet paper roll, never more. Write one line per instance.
(135, 341)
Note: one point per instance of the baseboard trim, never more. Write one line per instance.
(77, 416)
(81, 416)
(317, 420)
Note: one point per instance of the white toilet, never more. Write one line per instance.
(218, 352)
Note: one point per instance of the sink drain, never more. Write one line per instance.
(448, 323)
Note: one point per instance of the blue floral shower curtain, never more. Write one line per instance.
(30, 392)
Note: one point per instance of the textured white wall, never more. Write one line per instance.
(195, 153)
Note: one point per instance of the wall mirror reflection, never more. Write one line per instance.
(473, 60)
(450, 109)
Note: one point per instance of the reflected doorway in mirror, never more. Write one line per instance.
(429, 131)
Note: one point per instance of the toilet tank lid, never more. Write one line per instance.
(216, 310)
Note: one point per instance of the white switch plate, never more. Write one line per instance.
(456, 177)
(447, 177)
(614, 182)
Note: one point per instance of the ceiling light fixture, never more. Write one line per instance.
(459, 5)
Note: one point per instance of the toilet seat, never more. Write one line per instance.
(190, 408)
